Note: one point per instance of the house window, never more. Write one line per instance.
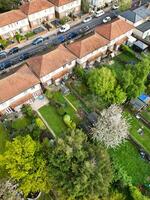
(33, 87)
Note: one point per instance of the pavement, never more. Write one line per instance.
(53, 38)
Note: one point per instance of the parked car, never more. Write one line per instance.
(13, 50)
(84, 29)
(24, 56)
(115, 6)
(99, 13)
(3, 54)
(106, 19)
(71, 35)
(64, 28)
(5, 64)
(87, 19)
(38, 40)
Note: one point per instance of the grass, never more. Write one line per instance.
(20, 123)
(70, 110)
(143, 140)
(54, 120)
(146, 115)
(129, 159)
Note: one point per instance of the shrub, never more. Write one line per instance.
(49, 94)
(64, 20)
(19, 37)
(4, 43)
(40, 123)
(136, 194)
(127, 50)
(29, 34)
(79, 72)
(69, 122)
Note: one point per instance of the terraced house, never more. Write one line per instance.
(65, 7)
(18, 88)
(53, 66)
(116, 32)
(11, 22)
(89, 49)
(38, 11)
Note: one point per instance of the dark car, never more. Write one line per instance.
(71, 35)
(38, 40)
(56, 23)
(13, 50)
(24, 56)
(5, 64)
(84, 29)
(3, 54)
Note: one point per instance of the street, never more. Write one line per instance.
(54, 39)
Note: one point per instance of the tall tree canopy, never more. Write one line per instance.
(103, 82)
(112, 127)
(78, 169)
(25, 164)
(6, 5)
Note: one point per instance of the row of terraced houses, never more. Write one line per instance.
(33, 12)
(25, 84)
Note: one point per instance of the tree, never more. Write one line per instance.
(24, 162)
(125, 4)
(111, 128)
(102, 82)
(78, 169)
(85, 6)
(9, 5)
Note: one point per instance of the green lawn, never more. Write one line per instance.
(146, 115)
(54, 120)
(20, 123)
(135, 124)
(68, 108)
(129, 159)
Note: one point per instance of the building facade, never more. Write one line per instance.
(64, 8)
(53, 66)
(38, 11)
(23, 87)
(12, 22)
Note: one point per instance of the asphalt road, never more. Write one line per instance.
(55, 39)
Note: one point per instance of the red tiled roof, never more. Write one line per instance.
(61, 2)
(16, 83)
(60, 74)
(21, 101)
(47, 63)
(11, 17)
(84, 46)
(114, 29)
(35, 6)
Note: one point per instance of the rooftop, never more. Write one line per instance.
(47, 63)
(84, 46)
(35, 6)
(11, 17)
(144, 27)
(131, 16)
(143, 11)
(61, 2)
(113, 29)
(17, 82)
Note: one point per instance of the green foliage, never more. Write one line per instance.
(19, 37)
(28, 112)
(115, 195)
(40, 123)
(102, 82)
(78, 169)
(79, 72)
(125, 4)
(8, 5)
(24, 162)
(126, 49)
(29, 34)
(4, 42)
(49, 94)
(64, 20)
(69, 122)
(136, 194)
(85, 6)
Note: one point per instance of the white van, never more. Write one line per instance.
(99, 13)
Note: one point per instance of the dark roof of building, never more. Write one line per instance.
(131, 16)
(144, 27)
(141, 45)
(143, 11)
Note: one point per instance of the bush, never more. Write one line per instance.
(27, 111)
(79, 72)
(4, 43)
(19, 37)
(69, 122)
(64, 20)
(29, 34)
(49, 94)
(40, 123)
(127, 50)
(136, 194)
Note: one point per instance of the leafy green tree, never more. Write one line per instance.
(136, 194)
(78, 169)
(9, 5)
(24, 162)
(125, 4)
(85, 6)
